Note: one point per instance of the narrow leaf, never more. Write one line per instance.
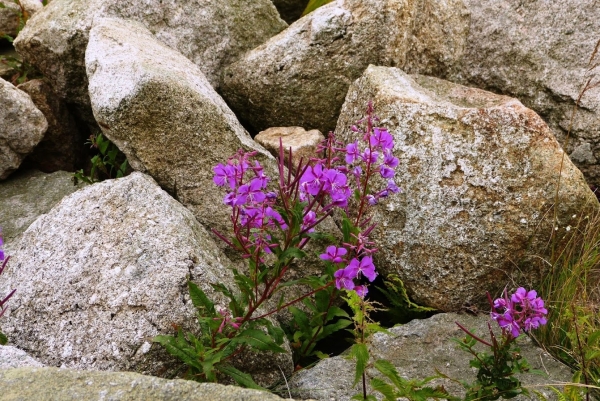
(241, 378)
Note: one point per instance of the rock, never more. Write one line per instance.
(165, 117)
(11, 357)
(210, 34)
(479, 173)
(11, 13)
(104, 272)
(28, 194)
(40, 384)
(302, 143)
(300, 77)
(538, 52)
(416, 350)
(290, 10)
(63, 146)
(22, 127)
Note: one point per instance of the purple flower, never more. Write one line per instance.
(369, 156)
(344, 279)
(392, 187)
(224, 174)
(524, 310)
(250, 193)
(372, 200)
(313, 179)
(334, 254)
(365, 267)
(275, 217)
(230, 199)
(309, 219)
(381, 138)
(385, 171)
(389, 160)
(521, 294)
(361, 290)
(252, 217)
(352, 152)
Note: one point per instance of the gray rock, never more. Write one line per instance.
(416, 350)
(42, 384)
(479, 173)
(28, 194)
(300, 77)
(210, 34)
(302, 143)
(22, 127)
(11, 357)
(538, 52)
(63, 146)
(104, 272)
(164, 116)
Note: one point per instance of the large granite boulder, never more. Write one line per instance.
(539, 52)
(164, 116)
(416, 350)
(41, 384)
(26, 195)
(63, 146)
(300, 77)
(22, 127)
(479, 173)
(211, 34)
(105, 271)
(303, 144)
(11, 357)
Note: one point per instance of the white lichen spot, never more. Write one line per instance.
(67, 350)
(523, 221)
(568, 228)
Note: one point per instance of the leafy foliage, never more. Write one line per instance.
(108, 163)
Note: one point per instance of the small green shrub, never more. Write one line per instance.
(108, 163)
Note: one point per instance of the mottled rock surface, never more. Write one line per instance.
(11, 357)
(41, 384)
(210, 34)
(104, 272)
(538, 52)
(164, 116)
(479, 173)
(63, 145)
(302, 143)
(416, 350)
(22, 127)
(300, 77)
(28, 194)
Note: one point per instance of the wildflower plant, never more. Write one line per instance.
(271, 229)
(520, 312)
(3, 301)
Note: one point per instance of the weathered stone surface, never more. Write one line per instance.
(300, 77)
(538, 52)
(104, 272)
(28, 194)
(165, 117)
(479, 173)
(40, 384)
(302, 143)
(11, 357)
(416, 350)
(211, 34)
(9, 14)
(63, 146)
(22, 127)
(290, 10)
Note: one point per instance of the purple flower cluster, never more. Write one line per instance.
(355, 269)
(252, 204)
(524, 310)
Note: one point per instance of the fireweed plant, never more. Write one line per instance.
(271, 229)
(3, 301)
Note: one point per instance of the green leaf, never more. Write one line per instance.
(384, 388)
(361, 354)
(332, 328)
(174, 346)
(257, 339)
(389, 370)
(301, 319)
(200, 300)
(274, 331)
(241, 378)
(346, 229)
(313, 5)
(3, 339)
